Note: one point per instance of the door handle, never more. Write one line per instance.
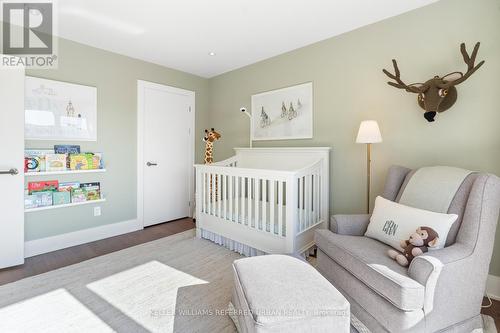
(11, 172)
(151, 164)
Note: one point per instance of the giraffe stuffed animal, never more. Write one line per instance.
(210, 137)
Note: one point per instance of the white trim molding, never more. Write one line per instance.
(58, 242)
(493, 287)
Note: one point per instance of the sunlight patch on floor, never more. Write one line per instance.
(146, 293)
(56, 311)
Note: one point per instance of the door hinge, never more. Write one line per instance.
(189, 203)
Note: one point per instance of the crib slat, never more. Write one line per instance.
(209, 193)
(272, 202)
(230, 194)
(320, 197)
(304, 208)
(264, 205)
(249, 197)
(301, 204)
(256, 202)
(280, 208)
(223, 193)
(236, 199)
(316, 193)
(309, 201)
(218, 194)
(203, 195)
(242, 180)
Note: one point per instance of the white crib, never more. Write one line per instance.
(268, 199)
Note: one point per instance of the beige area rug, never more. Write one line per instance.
(174, 284)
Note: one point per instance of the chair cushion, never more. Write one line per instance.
(284, 294)
(457, 205)
(367, 260)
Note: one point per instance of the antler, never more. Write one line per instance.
(399, 83)
(470, 66)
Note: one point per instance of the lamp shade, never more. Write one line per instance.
(369, 132)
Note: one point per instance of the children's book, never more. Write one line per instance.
(92, 190)
(38, 199)
(98, 162)
(61, 198)
(55, 162)
(78, 195)
(30, 201)
(34, 159)
(68, 186)
(42, 186)
(67, 149)
(80, 161)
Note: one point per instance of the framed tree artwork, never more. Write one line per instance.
(283, 114)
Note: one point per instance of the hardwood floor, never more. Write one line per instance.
(72, 255)
(493, 311)
(57, 259)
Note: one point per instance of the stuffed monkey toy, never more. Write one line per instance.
(418, 243)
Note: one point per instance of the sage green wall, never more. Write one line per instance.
(115, 77)
(349, 86)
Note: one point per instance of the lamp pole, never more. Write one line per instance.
(368, 175)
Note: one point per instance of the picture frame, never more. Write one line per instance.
(283, 114)
(62, 111)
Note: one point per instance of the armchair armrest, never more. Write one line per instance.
(353, 225)
(426, 269)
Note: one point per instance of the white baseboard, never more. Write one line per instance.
(493, 287)
(54, 243)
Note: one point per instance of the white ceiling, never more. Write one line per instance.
(180, 33)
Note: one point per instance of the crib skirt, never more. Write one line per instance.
(230, 244)
(241, 248)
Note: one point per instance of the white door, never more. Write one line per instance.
(11, 166)
(166, 148)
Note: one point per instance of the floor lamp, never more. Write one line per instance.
(368, 133)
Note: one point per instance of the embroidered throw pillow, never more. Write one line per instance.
(392, 223)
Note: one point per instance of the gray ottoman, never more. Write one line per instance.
(279, 293)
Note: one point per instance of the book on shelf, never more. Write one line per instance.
(78, 195)
(42, 186)
(68, 186)
(92, 190)
(67, 149)
(85, 161)
(34, 159)
(61, 198)
(55, 162)
(38, 199)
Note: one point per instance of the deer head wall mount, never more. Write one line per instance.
(439, 93)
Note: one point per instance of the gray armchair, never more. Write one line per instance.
(441, 290)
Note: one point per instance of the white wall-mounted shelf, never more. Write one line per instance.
(66, 172)
(29, 210)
